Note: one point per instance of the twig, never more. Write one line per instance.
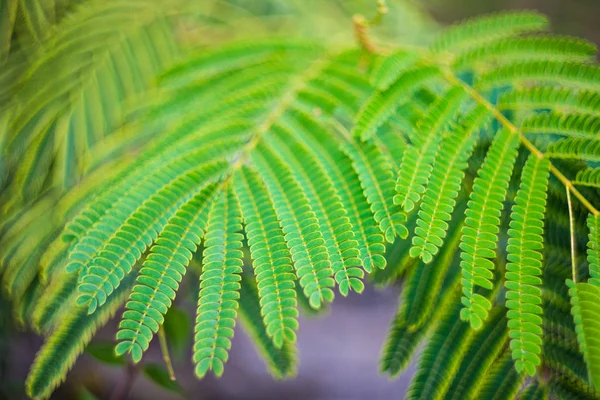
(164, 348)
(572, 231)
(450, 77)
(362, 25)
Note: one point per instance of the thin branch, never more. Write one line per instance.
(361, 29)
(450, 77)
(362, 25)
(572, 232)
(164, 348)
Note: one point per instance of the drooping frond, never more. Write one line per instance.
(426, 278)
(348, 185)
(377, 181)
(560, 348)
(575, 124)
(588, 177)
(502, 382)
(111, 62)
(327, 206)
(138, 232)
(484, 347)
(587, 149)
(439, 199)
(55, 256)
(551, 97)
(157, 282)
(585, 301)
(524, 48)
(219, 286)
(534, 391)
(26, 24)
(568, 74)
(24, 306)
(281, 360)
(382, 104)
(21, 269)
(271, 260)
(391, 67)
(440, 359)
(572, 389)
(593, 251)
(300, 226)
(68, 340)
(480, 233)
(102, 217)
(477, 31)
(524, 270)
(9, 15)
(417, 160)
(400, 345)
(58, 297)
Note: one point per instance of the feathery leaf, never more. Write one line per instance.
(593, 251)
(377, 181)
(157, 282)
(219, 285)
(523, 281)
(271, 259)
(281, 360)
(439, 199)
(417, 160)
(382, 104)
(480, 233)
(585, 302)
(477, 31)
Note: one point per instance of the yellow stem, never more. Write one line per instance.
(572, 232)
(164, 348)
(362, 25)
(450, 77)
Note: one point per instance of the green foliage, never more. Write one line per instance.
(440, 359)
(502, 380)
(593, 252)
(119, 168)
(575, 148)
(281, 361)
(588, 177)
(569, 74)
(382, 104)
(585, 301)
(523, 48)
(534, 391)
(485, 346)
(400, 345)
(548, 97)
(439, 199)
(417, 161)
(577, 125)
(158, 281)
(67, 341)
(417, 303)
(478, 31)
(103, 351)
